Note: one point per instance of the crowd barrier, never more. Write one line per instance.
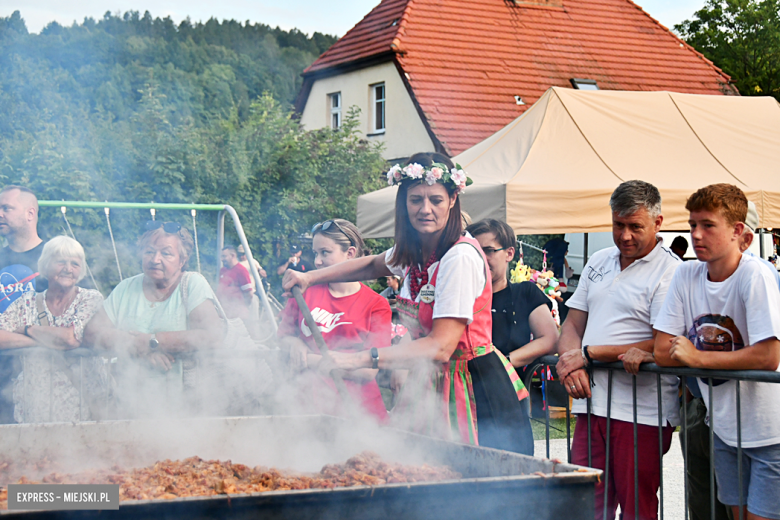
(682, 372)
(227, 378)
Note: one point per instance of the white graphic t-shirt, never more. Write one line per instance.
(730, 315)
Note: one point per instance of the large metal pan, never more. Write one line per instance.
(495, 483)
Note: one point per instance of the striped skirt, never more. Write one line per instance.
(475, 401)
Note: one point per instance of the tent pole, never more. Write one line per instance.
(584, 250)
(761, 242)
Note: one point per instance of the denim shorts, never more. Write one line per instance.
(760, 478)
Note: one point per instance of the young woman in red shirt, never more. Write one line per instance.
(352, 319)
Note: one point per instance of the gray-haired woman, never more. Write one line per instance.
(48, 388)
(154, 317)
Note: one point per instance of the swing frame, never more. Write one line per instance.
(222, 210)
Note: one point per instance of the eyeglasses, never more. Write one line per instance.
(324, 226)
(168, 227)
(489, 250)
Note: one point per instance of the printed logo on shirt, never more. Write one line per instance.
(597, 276)
(326, 321)
(715, 333)
(14, 280)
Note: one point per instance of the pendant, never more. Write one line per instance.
(427, 293)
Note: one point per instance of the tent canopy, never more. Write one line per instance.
(553, 169)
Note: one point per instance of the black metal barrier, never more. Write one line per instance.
(682, 373)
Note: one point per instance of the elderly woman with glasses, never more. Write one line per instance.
(49, 385)
(351, 318)
(154, 317)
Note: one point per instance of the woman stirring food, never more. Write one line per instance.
(351, 318)
(460, 387)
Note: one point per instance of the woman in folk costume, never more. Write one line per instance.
(460, 387)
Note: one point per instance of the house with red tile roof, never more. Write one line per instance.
(442, 75)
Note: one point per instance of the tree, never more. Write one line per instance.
(742, 37)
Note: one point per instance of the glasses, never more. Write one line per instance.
(489, 250)
(168, 227)
(324, 226)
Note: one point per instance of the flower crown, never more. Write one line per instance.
(438, 172)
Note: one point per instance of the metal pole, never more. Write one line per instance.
(606, 459)
(636, 451)
(685, 443)
(584, 250)
(661, 444)
(252, 268)
(761, 242)
(220, 241)
(712, 450)
(739, 453)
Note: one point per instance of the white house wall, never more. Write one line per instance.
(404, 133)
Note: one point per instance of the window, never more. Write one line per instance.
(378, 102)
(334, 101)
(584, 84)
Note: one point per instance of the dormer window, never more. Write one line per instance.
(584, 84)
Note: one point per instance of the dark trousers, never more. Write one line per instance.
(698, 440)
(621, 464)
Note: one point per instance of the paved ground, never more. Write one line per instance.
(673, 498)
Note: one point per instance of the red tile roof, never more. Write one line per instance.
(467, 59)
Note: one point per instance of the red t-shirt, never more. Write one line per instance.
(348, 324)
(233, 282)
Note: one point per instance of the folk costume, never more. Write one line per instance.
(475, 397)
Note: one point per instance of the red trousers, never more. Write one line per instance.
(621, 464)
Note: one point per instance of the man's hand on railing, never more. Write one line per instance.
(568, 362)
(577, 384)
(634, 358)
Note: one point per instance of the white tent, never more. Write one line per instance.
(553, 169)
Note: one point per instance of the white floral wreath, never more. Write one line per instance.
(438, 172)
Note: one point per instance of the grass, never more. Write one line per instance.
(557, 428)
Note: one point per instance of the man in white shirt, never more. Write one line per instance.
(619, 295)
(723, 313)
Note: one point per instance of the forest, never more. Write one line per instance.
(139, 109)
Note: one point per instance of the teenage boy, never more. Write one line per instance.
(723, 313)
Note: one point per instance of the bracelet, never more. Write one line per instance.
(25, 330)
(586, 355)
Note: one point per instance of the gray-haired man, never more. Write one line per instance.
(619, 295)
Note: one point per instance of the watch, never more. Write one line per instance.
(374, 358)
(153, 343)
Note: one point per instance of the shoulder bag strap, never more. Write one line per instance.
(43, 318)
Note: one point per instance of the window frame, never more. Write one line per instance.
(335, 111)
(375, 100)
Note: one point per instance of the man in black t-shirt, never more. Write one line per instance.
(520, 311)
(18, 270)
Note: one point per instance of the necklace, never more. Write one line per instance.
(417, 278)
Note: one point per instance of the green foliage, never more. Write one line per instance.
(742, 37)
(133, 108)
